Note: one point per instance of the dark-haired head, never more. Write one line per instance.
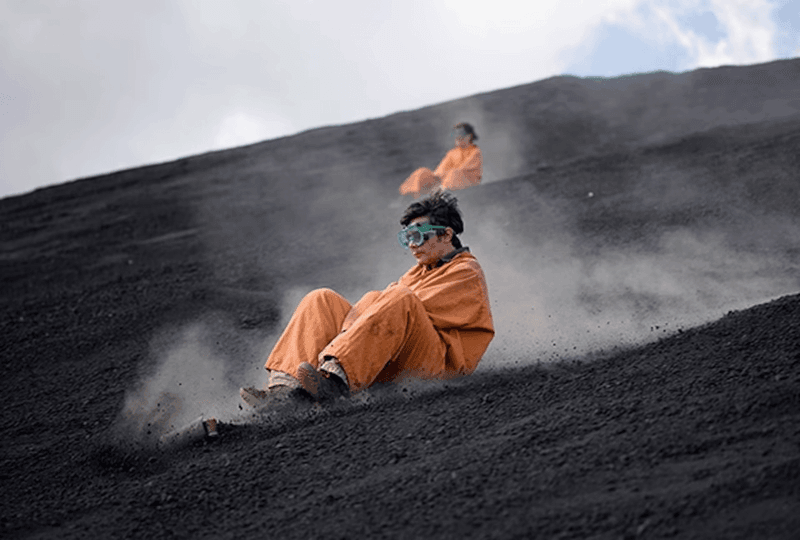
(441, 208)
(465, 129)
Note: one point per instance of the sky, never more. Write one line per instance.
(89, 87)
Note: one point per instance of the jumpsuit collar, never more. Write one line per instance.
(447, 258)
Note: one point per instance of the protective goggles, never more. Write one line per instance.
(417, 234)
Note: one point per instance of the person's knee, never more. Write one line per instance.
(398, 291)
(322, 292)
(319, 296)
(402, 295)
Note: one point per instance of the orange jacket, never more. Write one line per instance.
(456, 298)
(461, 167)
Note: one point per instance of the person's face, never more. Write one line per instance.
(462, 140)
(434, 248)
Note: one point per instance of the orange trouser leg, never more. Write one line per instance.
(316, 321)
(392, 337)
(352, 316)
(421, 181)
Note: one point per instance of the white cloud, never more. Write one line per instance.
(510, 42)
(748, 30)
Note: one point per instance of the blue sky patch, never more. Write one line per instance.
(618, 51)
(787, 21)
(703, 24)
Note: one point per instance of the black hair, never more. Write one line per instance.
(441, 208)
(469, 129)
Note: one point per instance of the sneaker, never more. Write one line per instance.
(273, 398)
(253, 396)
(320, 385)
(212, 428)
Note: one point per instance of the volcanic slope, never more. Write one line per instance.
(694, 436)
(193, 265)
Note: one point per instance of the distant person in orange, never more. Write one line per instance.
(461, 167)
(434, 322)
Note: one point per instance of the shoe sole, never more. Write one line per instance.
(309, 379)
(294, 400)
(314, 383)
(197, 430)
(250, 399)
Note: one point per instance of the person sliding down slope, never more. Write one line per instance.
(434, 322)
(461, 167)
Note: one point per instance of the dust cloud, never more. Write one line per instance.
(709, 248)
(552, 298)
(550, 304)
(194, 371)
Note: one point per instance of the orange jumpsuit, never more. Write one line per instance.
(460, 168)
(431, 323)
